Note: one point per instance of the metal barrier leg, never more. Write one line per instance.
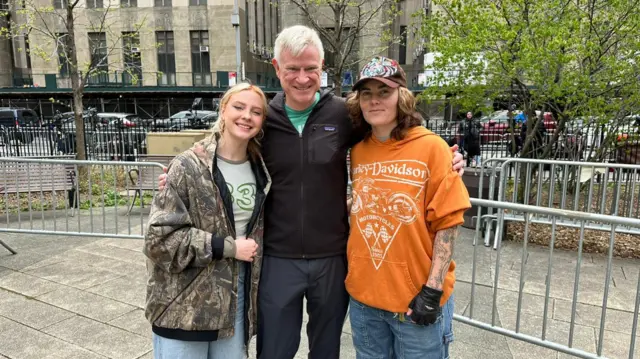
(7, 247)
(133, 202)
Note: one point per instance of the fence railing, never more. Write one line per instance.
(594, 142)
(76, 198)
(96, 198)
(587, 187)
(523, 282)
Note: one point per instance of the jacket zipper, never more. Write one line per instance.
(247, 309)
(302, 191)
(232, 229)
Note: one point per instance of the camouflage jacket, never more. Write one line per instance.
(192, 289)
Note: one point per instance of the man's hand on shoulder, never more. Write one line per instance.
(458, 160)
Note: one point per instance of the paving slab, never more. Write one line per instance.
(121, 254)
(461, 350)
(615, 320)
(134, 322)
(26, 284)
(557, 331)
(616, 345)
(30, 312)
(20, 341)
(125, 243)
(100, 338)
(130, 290)
(481, 338)
(71, 274)
(5, 271)
(79, 258)
(23, 259)
(86, 304)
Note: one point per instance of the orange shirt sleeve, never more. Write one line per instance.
(446, 198)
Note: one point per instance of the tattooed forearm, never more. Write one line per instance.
(442, 253)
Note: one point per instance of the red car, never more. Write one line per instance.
(495, 128)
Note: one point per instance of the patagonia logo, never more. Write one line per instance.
(329, 128)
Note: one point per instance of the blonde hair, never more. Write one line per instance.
(295, 39)
(218, 127)
(408, 116)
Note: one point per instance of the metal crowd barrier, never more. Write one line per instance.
(42, 196)
(496, 285)
(603, 188)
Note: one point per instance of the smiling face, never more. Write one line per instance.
(243, 116)
(379, 104)
(299, 76)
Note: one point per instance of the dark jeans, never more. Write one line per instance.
(283, 285)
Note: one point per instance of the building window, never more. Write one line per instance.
(197, 2)
(402, 48)
(62, 48)
(166, 58)
(60, 4)
(99, 63)
(128, 3)
(4, 5)
(95, 4)
(200, 63)
(132, 61)
(163, 3)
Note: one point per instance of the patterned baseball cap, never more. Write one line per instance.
(383, 69)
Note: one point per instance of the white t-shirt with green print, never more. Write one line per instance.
(241, 183)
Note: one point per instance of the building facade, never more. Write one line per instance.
(168, 48)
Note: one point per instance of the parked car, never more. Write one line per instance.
(17, 124)
(119, 120)
(187, 119)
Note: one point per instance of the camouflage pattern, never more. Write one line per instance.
(187, 289)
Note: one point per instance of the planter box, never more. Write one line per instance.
(471, 179)
(172, 143)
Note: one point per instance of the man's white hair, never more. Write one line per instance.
(295, 39)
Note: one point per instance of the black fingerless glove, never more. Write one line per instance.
(425, 306)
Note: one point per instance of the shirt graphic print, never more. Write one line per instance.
(241, 183)
(384, 199)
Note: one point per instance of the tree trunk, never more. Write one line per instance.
(81, 153)
(76, 85)
(337, 84)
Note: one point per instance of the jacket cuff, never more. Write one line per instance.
(217, 247)
(229, 247)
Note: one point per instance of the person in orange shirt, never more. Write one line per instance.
(407, 204)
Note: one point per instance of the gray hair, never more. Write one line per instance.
(295, 39)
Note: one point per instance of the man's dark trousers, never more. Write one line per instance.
(283, 285)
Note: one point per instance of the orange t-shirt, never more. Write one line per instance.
(403, 193)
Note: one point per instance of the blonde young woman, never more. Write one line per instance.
(407, 205)
(204, 238)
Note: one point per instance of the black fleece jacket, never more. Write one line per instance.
(305, 211)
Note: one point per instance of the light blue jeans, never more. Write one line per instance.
(378, 334)
(228, 348)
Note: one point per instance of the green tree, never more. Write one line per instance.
(573, 58)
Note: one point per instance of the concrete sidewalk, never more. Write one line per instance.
(71, 297)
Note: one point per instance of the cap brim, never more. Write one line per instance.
(387, 82)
